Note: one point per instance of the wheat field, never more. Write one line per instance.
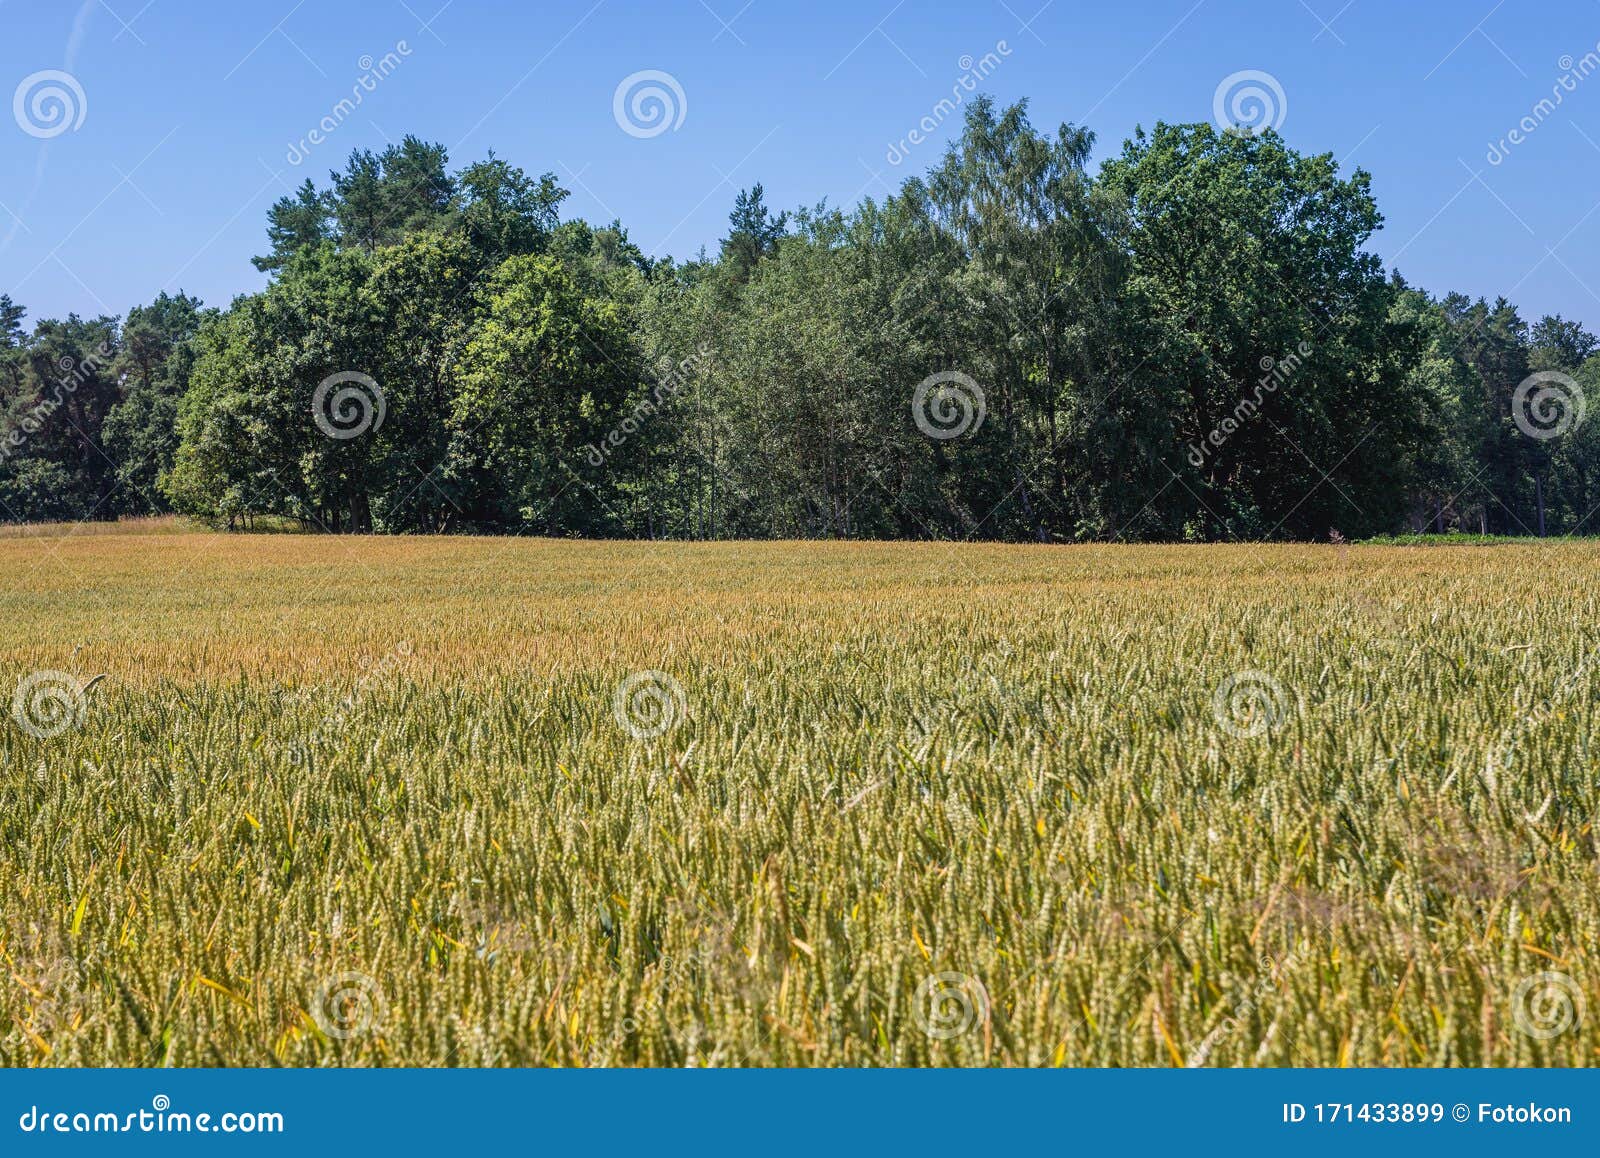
(291, 800)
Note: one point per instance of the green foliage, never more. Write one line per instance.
(1450, 539)
(505, 212)
(61, 383)
(482, 380)
(1192, 344)
(141, 430)
(1250, 282)
(545, 370)
(753, 235)
(293, 224)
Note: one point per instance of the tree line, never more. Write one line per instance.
(1190, 344)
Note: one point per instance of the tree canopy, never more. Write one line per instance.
(1192, 343)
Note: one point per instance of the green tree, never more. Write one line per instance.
(1259, 308)
(504, 212)
(53, 464)
(546, 373)
(753, 233)
(141, 431)
(293, 224)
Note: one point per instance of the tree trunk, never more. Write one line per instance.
(360, 509)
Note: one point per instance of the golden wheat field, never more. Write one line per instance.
(291, 800)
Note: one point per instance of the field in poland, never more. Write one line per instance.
(288, 800)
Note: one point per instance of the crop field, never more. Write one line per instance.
(318, 800)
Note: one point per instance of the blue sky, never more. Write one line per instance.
(189, 111)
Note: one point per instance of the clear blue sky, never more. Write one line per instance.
(191, 108)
